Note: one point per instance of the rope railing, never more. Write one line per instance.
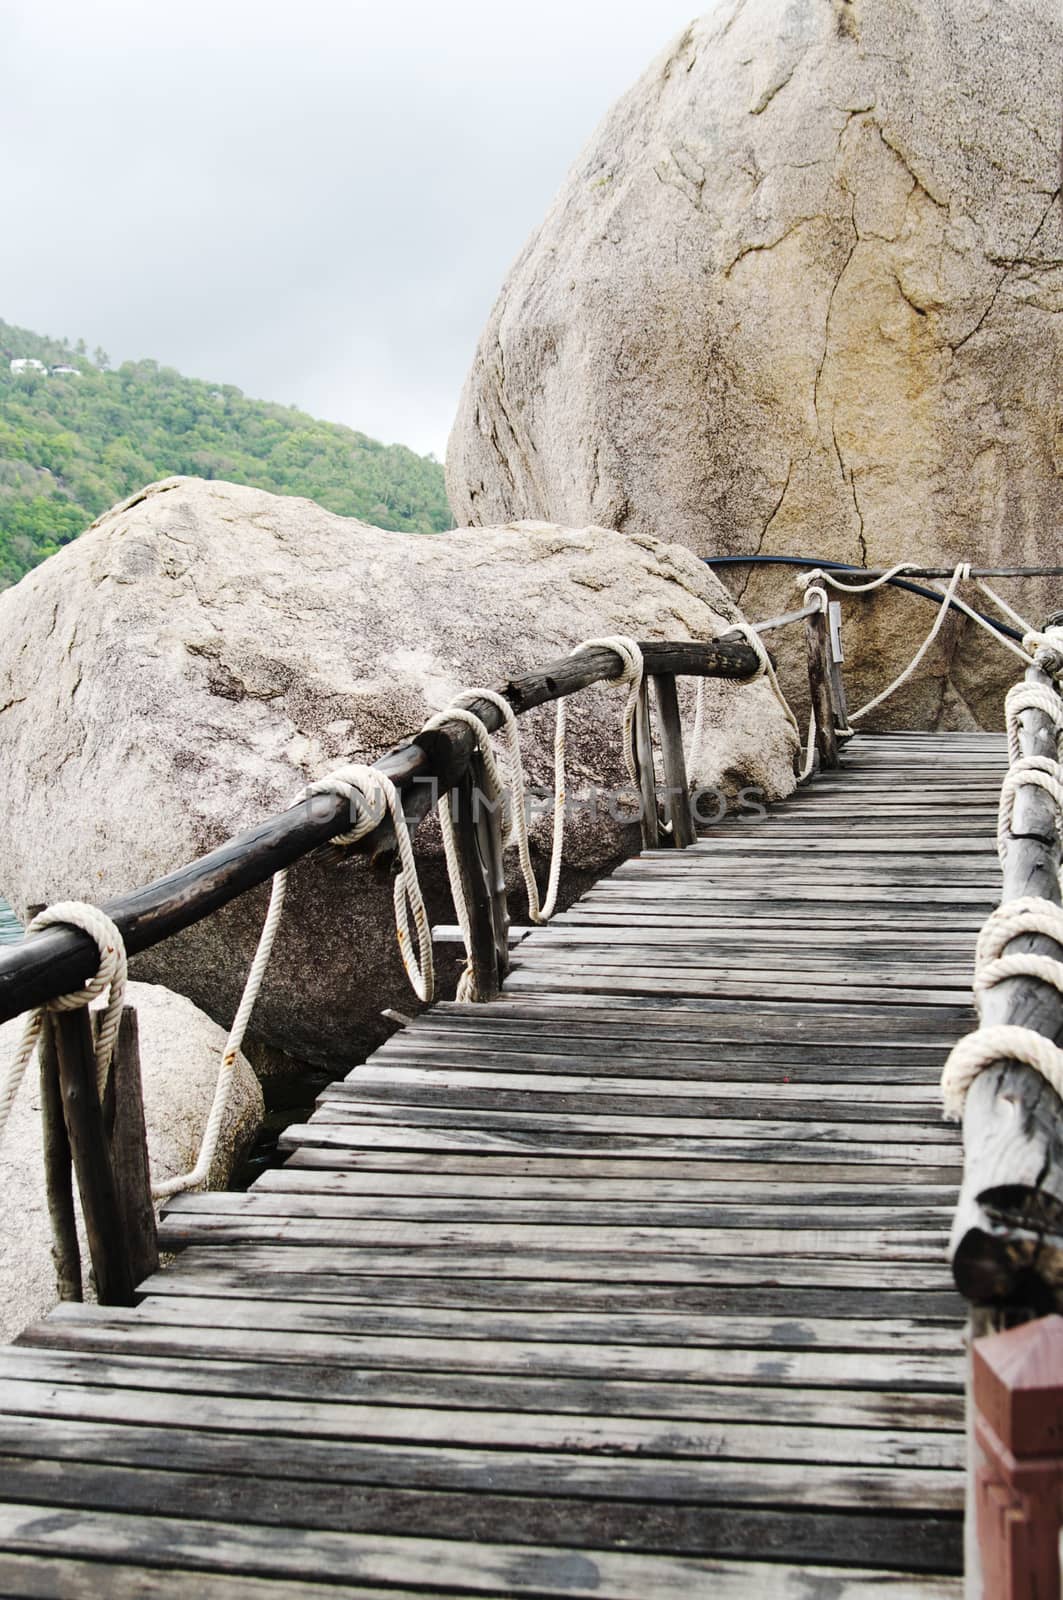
(74, 952)
(1005, 1079)
(66, 959)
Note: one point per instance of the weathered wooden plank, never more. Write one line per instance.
(569, 1432)
(835, 1270)
(474, 1568)
(754, 1167)
(159, 1314)
(505, 1471)
(916, 1544)
(722, 1385)
(744, 1213)
(310, 1277)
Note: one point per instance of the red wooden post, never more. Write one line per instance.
(1017, 1393)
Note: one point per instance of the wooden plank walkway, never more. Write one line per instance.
(631, 1284)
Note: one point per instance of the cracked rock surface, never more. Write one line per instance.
(802, 294)
(183, 669)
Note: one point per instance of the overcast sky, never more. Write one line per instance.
(314, 200)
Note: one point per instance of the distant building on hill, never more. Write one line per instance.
(66, 372)
(28, 364)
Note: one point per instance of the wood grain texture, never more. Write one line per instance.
(630, 1282)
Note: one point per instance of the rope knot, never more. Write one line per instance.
(109, 978)
(366, 791)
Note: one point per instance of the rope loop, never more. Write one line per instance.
(109, 978)
(1039, 772)
(370, 794)
(1030, 697)
(631, 673)
(1003, 1042)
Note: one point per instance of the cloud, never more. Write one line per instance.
(315, 201)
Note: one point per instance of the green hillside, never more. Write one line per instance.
(70, 447)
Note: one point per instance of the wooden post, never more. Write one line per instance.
(1017, 1394)
(817, 641)
(670, 732)
(1007, 1236)
(58, 1176)
(83, 1115)
(491, 847)
(836, 655)
(479, 861)
(647, 780)
(123, 1119)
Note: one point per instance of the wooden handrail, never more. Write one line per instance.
(1007, 1237)
(61, 960)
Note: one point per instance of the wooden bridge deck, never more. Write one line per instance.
(631, 1284)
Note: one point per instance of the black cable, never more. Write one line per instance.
(844, 566)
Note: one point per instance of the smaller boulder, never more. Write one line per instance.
(180, 1051)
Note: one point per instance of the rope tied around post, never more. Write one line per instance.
(109, 979)
(765, 669)
(1026, 915)
(369, 793)
(1043, 648)
(512, 797)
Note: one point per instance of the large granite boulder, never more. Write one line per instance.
(180, 1051)
(186, 666)
(802, 294)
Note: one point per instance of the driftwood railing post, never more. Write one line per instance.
(83, 1114)
(647, 780)
(58, 1171)
(478, 840)
(1007, 1238)
(673, 762)
(123, 1120)
(836, 657)
(817, 641)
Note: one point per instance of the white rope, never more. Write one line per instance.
(1030, 697)
(495, 793)
(948, 595)
(765, 669)
(368, 792)
(496, 790)
(1038, 772)
(1005, 1042)
(950, 598)
(1012, 920)
(539, 911)
(631, 673)
(110, 977)
(821, 575)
